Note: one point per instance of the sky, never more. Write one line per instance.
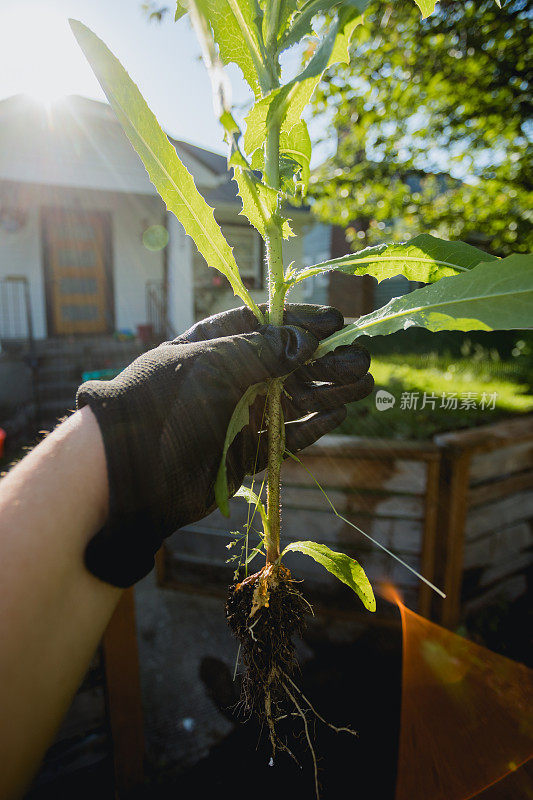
(39, 56)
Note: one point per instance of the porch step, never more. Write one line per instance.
(59, 390)
(61, 364)
(80, 348)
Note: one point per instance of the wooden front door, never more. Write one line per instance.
(77, 271)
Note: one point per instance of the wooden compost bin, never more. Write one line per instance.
(485, 526)
(458, 509)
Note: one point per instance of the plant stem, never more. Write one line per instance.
(276, 298)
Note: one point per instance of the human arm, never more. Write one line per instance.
(135, 463)
(52, 610)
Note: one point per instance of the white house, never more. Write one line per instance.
(82, 229)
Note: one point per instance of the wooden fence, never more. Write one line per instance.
(458, 509)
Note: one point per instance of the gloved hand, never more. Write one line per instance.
(164, 420)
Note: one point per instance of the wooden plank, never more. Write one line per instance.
(519, 563)
(399, 534)
(488, 437)
(429, 539)
(396, 534)
(510, 589)
(358, 473)
(374, 504)
(160, 565)
(123, 696)
(501, 463)
(502, 513)
(371, 448)
(453, 486)
(488, 492)
(498, 545)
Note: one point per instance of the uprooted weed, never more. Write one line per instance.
(265, 611)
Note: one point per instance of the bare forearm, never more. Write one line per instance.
(52, 611)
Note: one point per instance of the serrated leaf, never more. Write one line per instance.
(302, 21)
(286, 104)
(237, 34)
(425, 259)
(295, 147)
(181, 10)
(170, 177)
(253, 500)
(427, 7)
(259, 201)
(239, 419)
(497, 295)
(346, 569)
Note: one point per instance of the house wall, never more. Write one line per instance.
(292, 251)
(133, 265)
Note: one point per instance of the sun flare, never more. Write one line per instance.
(39, 57)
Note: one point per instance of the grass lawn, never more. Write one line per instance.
(477, 391)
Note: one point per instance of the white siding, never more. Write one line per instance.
(132, 264)
(180, 278)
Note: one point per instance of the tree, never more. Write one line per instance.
(434, 126)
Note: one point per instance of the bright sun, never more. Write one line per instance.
(39, 56)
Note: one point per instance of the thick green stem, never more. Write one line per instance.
(276, 299)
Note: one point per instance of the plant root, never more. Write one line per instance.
(264, 612)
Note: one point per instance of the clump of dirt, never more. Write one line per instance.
(264, 612)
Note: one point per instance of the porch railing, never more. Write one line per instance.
(156, 311)
(16, 321)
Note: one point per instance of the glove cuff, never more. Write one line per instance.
(123, 551)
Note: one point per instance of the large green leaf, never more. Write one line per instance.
(286, 104)
(497, 295)
(237, 30)
(239, 419)
(169, 176)
(427, 7)
(302, 22)
(424, 258)
(346, 569)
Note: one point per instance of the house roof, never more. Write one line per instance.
(213, 161)
(209, 168)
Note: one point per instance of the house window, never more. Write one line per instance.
(247, 249)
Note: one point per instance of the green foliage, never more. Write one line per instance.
(236, 30)
(284, 105)
(423, 101)
(239, 419)
(346, 569)
(493, 295)
(409, 101)
(479, 376)
(169, 176)
(424, 259)
(259, 201)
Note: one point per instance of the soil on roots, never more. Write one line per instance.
(264, 612)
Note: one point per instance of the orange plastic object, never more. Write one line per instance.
(466, 720)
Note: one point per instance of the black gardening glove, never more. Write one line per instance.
(164, 420)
